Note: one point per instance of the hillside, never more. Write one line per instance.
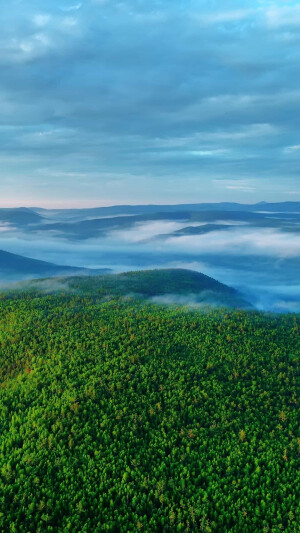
(166, 282)
(124, 417)
(165, 285)
(15, 267)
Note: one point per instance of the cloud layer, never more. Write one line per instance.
(105, 101)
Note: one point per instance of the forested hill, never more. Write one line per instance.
(156, 282)
(169, 285)
(122, 417)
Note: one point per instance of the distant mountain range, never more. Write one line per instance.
(82, 224)
(284, 207)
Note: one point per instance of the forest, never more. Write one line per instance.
(125, 416)
(170, 283)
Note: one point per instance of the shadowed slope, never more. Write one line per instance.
(17, 267)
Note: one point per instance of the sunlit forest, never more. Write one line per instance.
(125, 416)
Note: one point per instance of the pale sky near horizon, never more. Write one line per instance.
(113, 102)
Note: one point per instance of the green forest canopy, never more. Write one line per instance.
(145, 284)
(125, 416)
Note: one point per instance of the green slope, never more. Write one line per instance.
(193, 286)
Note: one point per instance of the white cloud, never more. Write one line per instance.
(32, 47)
(293, 192)
(145, 231)
(241, 188)
(207, 153)
(244, 133)
(292, 149)
(225, 16)
(41, 20)
(278, 16)
(236, 185)
(5, 227)
(75, 7)
(69, 21)
(262, 242)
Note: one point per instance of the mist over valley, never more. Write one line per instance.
(252, 248)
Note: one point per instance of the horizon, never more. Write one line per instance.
(99, 206)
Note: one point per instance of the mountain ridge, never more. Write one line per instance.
(15, 267)
(166, 285)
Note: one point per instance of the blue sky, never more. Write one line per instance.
(108, 102)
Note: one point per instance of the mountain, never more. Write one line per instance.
(197, 230)
(93, 227)
(116, 210)
(16, 267)
(97, 227)
(82, 224)
(19, 217)
(170, 286)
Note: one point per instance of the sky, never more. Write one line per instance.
(107, 102)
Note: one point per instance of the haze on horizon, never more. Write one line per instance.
(109, 102)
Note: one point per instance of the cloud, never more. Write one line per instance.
(41, 20)
(221, 17)
(5, 227)
(69, 22)
(74, 7)
(278, 16)
(238, 185)
(208, 153)
(24, 50)
(244, 241)
(141, 232)
(146, 93)
(247, 186)
(291, 149)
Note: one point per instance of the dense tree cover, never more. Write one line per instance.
(145, 284)
(118, 416)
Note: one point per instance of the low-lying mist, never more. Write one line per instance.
(263, 263)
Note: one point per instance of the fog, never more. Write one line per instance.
(263, 263)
